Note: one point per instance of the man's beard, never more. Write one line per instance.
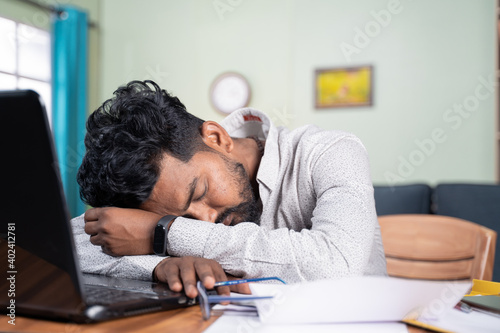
(248, 210)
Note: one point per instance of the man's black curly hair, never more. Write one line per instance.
(125, 141)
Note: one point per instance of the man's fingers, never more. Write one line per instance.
(243, 288)
(205, 274)
(220, 275)
(92, 214)
(224, 290)
(107, 251)
(169, 272)
(182, 273)
(91, 228)
(188, 276)
(95, 240)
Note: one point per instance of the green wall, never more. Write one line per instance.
(433, 118)
(427, 57)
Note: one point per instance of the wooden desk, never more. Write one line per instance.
(186, 320)
(179, 320)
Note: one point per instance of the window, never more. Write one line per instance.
(25, 60)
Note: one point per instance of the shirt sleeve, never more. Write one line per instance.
(339, 242)
(93, 260)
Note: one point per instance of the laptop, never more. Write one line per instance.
(37, 250)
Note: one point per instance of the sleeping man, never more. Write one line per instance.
(240, 198)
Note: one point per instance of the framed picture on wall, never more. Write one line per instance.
(343, 87)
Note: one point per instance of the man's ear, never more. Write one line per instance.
(216, 137)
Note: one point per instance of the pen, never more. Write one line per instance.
(232, 282)
(463, 307)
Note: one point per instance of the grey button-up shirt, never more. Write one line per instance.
(318, 219)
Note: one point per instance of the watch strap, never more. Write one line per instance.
(160, 237)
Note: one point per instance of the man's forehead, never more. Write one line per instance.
(173, 185)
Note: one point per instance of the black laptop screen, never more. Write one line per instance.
(36, 246)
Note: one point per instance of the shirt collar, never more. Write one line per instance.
(247, 122)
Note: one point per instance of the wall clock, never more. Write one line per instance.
(229, 91)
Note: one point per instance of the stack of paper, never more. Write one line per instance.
(359, 299)
(362, 304)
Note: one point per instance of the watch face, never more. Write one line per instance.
(229, 92)
(159, 243)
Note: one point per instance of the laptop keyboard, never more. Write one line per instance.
(99, 295)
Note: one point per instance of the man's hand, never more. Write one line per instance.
(181, 272)
(121, 231)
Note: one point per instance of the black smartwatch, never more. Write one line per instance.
(160, 235)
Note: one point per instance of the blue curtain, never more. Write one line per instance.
(69, 96)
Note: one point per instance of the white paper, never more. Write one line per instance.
(234, 310)
(231, 324)
(461, 322)
(355, 300)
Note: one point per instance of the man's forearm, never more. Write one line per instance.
(93, 260)
(248, 250)
(121, 231)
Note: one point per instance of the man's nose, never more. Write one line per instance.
(204, 213)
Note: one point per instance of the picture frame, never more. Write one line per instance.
(343, 87)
